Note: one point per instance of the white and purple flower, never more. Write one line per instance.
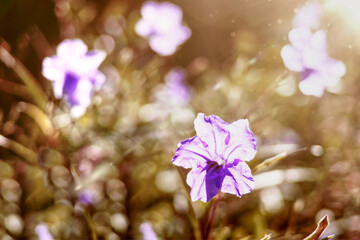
(175, 92)
(161, 23)
(308, 55)
(217, 157)
(171, 100)
(74, 73)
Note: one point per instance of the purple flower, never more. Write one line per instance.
(42, 232)
(147, 231)
(74, 72)
(308, 56)
(161, 23)
(217, 157)
(175, 91)
(308, 16)
(86, 197)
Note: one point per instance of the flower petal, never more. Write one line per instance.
(143, 28)
(313, 85)
(71, 48)
(171, 13)
(53, 68)
(196, 180)
(181, 34)
(204, 182)
(163, 45)
(168, 18)
(176, 91)
(80, 99)
(308, 16)
(80, 93)
(300, 37)
(149, 11)
(211, 130)
(42, 232)
(87, 65)
(94, 58)
(58, 87)
(147, 231)
(242, 144)
(98, 79)
(334, 70)
(315, 53)
(162, 17)
(318, 41)
(191, 153)
(77, 111)
(238, 180)
(292, 58)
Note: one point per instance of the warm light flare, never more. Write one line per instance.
(348, 10)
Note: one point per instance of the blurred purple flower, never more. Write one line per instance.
(217, 157)
(42, 232)
(175, 91)
(308, 56)
(147, 231)
(74, 72)
(89, 189)
(161, 23)
(308, 16)
(86, 197)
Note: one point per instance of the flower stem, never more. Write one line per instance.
(194, 219)
(76, 179)
(91, 225)
(211, 216)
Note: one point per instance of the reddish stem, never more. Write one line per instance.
(211, 216)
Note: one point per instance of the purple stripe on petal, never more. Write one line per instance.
(233, 150)
(227, 139)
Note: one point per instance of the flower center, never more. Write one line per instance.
(220, 160)
(307, 71)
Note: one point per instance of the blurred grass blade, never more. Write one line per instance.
(270, 161)
(99, 173)
(322, 225)
(14, 88)
(27, 154)
(273, 160)
(24, 74)
(39, 117)
(328, 237)
(266, 237)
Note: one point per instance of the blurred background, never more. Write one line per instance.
(110, 171)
